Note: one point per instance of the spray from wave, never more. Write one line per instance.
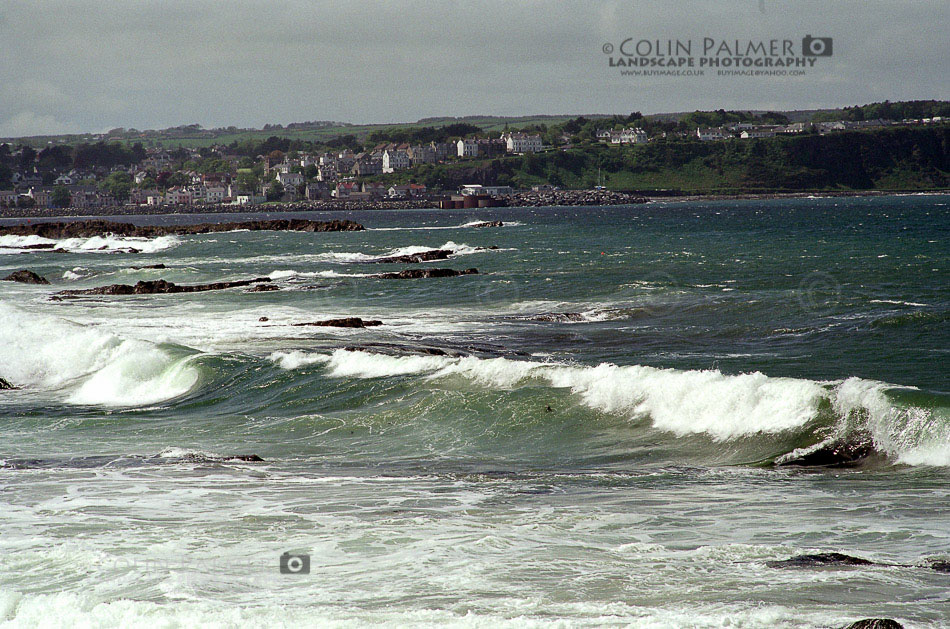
(94, 244)
(85, 365)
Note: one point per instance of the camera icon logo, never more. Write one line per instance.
(816, 46)
(294, 564)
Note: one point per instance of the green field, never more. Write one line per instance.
(173, 138)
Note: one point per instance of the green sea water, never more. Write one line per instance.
(591, 431)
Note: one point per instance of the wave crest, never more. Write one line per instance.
(720, 406)
(87, 365)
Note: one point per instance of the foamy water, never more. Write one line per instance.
(94, 244)
(588, 432)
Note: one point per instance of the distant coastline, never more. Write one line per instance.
(565, 198)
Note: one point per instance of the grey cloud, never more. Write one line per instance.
(93, 65)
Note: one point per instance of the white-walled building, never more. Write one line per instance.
(289, 179)
(522, 142)
(757, 133)
(633, 136)
(467, 147)
(711, 134)
(394, 160)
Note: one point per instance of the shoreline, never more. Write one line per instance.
(752, 196)
(563, 198)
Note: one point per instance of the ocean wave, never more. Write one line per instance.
(468, 225)
(297, 359)
(87, 365)
(719, 406)
(918, 317)
(456, 249)
(291, 274)
(76, 273)
(94, 244)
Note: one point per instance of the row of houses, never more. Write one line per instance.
(387, 158)
(354, 190)
(81, 196)
(747, 130)
(633, 135)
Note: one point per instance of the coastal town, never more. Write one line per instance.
(100, 175)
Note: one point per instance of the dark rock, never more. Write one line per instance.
(487, 224)
(150, 266)
(412, 274)
(875, 623)
(262, 288)
(558, 317)
(159, 287)
(89, 228)
(423, 256)
(819, 560)
(348, 322)
(26, 277)
(392, 349)
(6, 386)
(250, 458)
(840, 453)
(262, 319)
(940, 565)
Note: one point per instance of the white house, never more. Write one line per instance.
(467, 148)
(406, 191)
(66, 180)
(757, 133)
(633, 136)
(289, 179)
(522, 142)
(711, 134)
(395, 160)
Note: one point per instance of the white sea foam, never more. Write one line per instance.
(290, 274)
(103, 244)
(896, 302)
(467, 225)
(721, 406)
(297, 359)
(87, 365)
(76, 273)
(356, 256)
(182, 453)
(88, 609)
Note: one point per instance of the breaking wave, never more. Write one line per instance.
(468, 225)
(344, 257)
(722, 407)
(85, 365)
(94, 244)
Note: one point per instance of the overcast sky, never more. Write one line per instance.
(84, 65)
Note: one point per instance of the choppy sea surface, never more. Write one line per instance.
(592, 431)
